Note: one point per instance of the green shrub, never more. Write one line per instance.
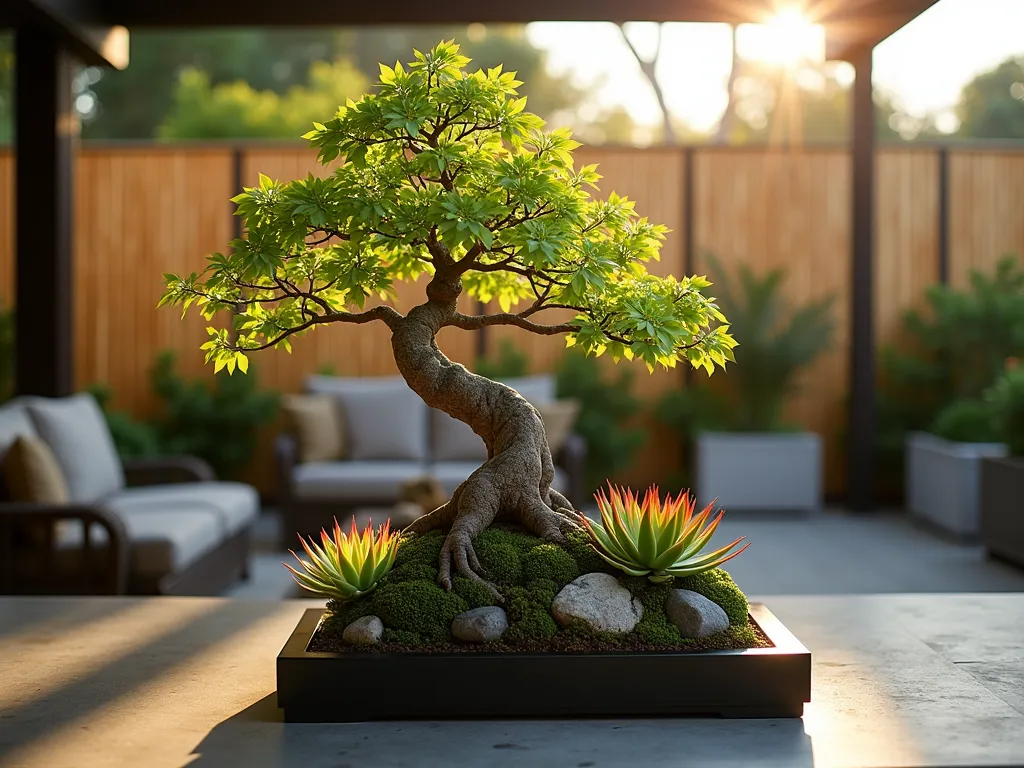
(6, 353)
(217, 423)
(509, 362)
(551, 562)
(417, 606)
(1006, 399)
(718, 587)
(968, 420)
(132, 438)
(953, 348)
(776, 343)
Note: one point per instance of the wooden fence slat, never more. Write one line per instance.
(145, 210)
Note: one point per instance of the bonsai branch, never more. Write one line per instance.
(475, 322)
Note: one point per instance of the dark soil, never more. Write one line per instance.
(563, 642)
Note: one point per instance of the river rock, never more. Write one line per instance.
(364, 631)
(480, 624)
(694, 615)
(599, 601)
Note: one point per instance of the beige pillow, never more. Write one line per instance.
(559, 418)
(32, 473)
(318, 426)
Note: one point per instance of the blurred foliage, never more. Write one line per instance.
(236, 110)
(776, 342)
(607, 407)
(1006, 400)
(217, 423)
(954, 349)
(607, 404)
(134, 438)
(6, 353)
(992, 105)
(967, 420)
(510, 362)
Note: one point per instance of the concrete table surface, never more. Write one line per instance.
(899, 680)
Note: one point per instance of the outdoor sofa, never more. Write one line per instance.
(75, 519)
(352, 444)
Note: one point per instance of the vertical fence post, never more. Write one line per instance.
(944, 215)
(689, 236)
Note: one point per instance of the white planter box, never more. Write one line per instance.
(759, 470)
(943, 481)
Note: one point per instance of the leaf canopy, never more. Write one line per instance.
(441, 169)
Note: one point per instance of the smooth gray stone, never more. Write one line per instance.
(480, 625)
(365, 631)
(599, 601)
(694, 615)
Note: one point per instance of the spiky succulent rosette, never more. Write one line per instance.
(655, 538)
(346, 565)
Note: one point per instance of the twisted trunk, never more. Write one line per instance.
(515, 481)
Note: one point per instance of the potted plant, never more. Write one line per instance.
(943, 473)
(931, 429)
(1002, 478)
(744, 453)
(505, 600)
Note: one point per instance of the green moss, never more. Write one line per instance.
(542, 592)
(742, 635)
(718, 587)
(424, 548)
(412, 571)
(654, 627)
(474, 593)
(529, 621)
(342, 613)
(418, 606)
(549, 561)
(587, 560)
(401, 636)
(499, 556)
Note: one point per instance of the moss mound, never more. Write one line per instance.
(550, 562)
(718, 587)
(529, 572)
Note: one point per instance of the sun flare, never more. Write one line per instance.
(788, 39)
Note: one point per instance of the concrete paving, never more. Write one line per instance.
(898, 681)
(831, 552)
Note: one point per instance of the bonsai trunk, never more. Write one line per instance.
(515, 481)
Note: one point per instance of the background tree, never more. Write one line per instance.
(447, 175)
(992, 104)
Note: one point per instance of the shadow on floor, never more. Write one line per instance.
(257, 738)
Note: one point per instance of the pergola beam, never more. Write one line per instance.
(80, 26)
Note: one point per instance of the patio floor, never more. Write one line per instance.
(828, 553)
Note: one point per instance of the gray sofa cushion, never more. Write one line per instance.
(161, 542)
(14, 423)
(346, 481)
(235, 505)
(537, 389)
(77, 433)
(453, 440)
(451, 473)
(384, 419)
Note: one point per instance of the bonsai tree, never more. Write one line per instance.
(445, 174)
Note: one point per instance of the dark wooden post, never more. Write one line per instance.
(860, 477)
(46, 135)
